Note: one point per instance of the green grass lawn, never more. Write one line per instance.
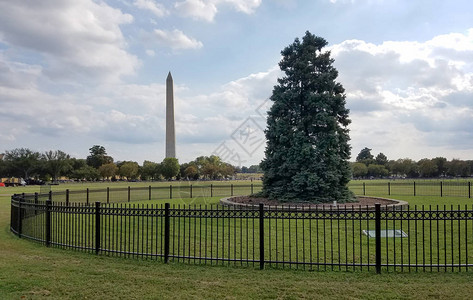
(29, 270)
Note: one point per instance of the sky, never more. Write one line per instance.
(78, 73)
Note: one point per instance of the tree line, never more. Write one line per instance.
(98, 165)
(367, 166)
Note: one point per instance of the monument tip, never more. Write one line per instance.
(169, 75)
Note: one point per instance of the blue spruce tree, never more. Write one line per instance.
(306, 157)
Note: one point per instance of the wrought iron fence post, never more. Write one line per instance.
(166, 232)
(87, 197)
(170, 191)
(211, 190)
(36, 197)
(51, 195)
(108, 194)
(67, 197)
(469, 189)
(48, 222)
(252, 188)
(19, 224)
(377, 226)
(389, 188)
(97, 227)
(191, 191)
(129, 194)
(149, 192)
(364, 189)
(414, 188)
(261, 236)
(441, 189)
(231, 187)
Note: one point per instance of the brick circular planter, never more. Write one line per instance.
(393, 205)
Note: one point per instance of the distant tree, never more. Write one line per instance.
(359, 169)
(129, 170)
(395, 168)
(150, 170)
(211, 167)
(210, 170)
(458, 168)
(98, 157)
(365, 156)
(78, 163)
(254, 169)
(182, 169)
(407, 167)
(441, 163)
(57, 163)
(307, 152)
(227, 170)
(191, 172)
(86, 172)
(22, 162)
(427, 168)
(170, 167)
(3, 168)
(381, 159)
(377, 170)
(108, 170)
(470, 164)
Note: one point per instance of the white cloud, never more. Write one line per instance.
(156, 8)
(197, 9)
(245, 6)
(150, 52)
(76, 39)
(207, 9)
(18, 75)
(409, 89)
(176, 39)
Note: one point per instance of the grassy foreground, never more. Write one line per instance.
(32, 271)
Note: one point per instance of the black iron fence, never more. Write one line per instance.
(131, 194)
(417, 239)
(434, 188)
(370, 188)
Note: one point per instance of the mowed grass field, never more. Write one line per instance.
(31, 271)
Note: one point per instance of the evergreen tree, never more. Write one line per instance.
(381, 159)
(365, 156)
(98, 157)
(307, 152)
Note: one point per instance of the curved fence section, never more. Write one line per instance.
(132, 194)
(417, 239)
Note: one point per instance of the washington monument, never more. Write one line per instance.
(170, 133)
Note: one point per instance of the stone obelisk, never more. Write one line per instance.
(170, 132)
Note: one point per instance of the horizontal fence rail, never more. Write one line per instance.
(415, 239)
(434, 188)
(130, 194)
